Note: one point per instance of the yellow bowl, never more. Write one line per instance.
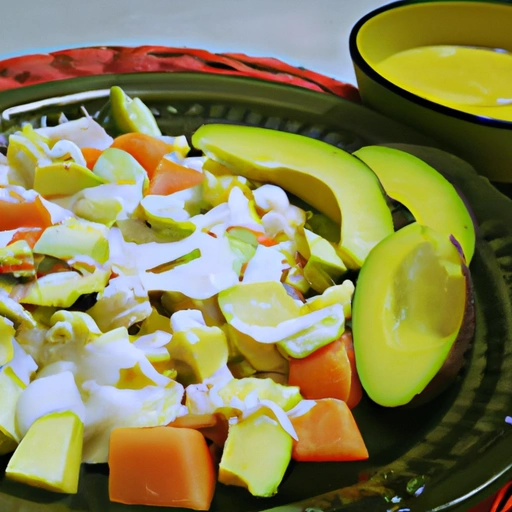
(486, 143)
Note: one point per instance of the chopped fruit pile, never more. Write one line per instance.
(183, 320)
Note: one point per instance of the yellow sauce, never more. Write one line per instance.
(473, 80)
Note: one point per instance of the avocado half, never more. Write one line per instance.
(413, 316)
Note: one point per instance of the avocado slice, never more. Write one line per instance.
(11, 388)
(64, 179)
(117, 166)
(431, 198)
(331, 180)
(198, 353)
(74, 239)
(263, 357)
(17, 259)
(131, 114)
(256, 454)
(60, 289)
(323, 266)
(49, 456)
(412, 301)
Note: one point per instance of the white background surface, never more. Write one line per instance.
(309, 33)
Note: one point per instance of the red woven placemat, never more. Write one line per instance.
(60, 65)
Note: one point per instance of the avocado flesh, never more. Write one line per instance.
(429, 196)
(11, 388)
(49, 455)
(74, 240)
(331, 180)
(407, 313)
(60, 289)
(64, 179)
(324, 266)
(257, 438)
(198, 353)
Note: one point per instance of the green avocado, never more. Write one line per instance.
(409, 315)
(60, 289)
(117, 166)
(64, 179)
(323, 266)
(74, 240)
(430, 197)
(329, 179)
(256, 455)
(198, 353)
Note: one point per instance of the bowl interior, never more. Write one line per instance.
(409, 25)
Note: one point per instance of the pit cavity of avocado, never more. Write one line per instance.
(418, 320)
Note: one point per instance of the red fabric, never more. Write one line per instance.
(63, 64)
(38, 68)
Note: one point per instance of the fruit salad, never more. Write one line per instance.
(189, 320)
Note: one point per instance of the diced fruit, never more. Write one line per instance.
(328, 432)
(431, 198)
(285, 397)
(323, 266)
(198, 353)
(7, 333)
(29, 235)
(161, 222)
(155, 322)
(91, 156)
(49, 456)
(60, 289)
(146, 149)
(321, 327)
(339, 294)
(64, 179)
(161, 466)
(17, 259)
(263, 357)
(213, 426)
(131, 115)
(331, 180)
(123, 303)
(244, 252)
(14, 215)
(174, 301)
(99, 207)
(11, 388)
(256, 455)
(25, 151)
(216, 189)
(117, 166)
(170, 177)
(329, 372)
(266, 312)
(413, 297)
(258, 304)
(74, 239)
(296, 280)
(136, 230)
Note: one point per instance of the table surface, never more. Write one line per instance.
(313, 34)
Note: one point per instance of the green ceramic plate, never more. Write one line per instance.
(448, 454)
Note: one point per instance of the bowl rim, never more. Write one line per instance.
(359, 61)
